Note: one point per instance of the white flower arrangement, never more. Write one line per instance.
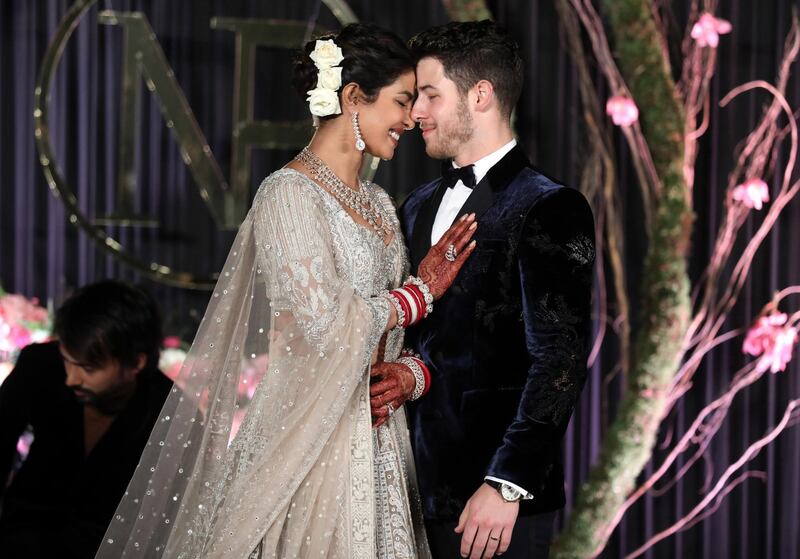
(323, 100)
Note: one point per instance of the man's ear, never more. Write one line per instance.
(141, 361)
(483, 95)
(351, 97)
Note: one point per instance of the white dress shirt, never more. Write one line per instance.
(452, 202)
(454, 198)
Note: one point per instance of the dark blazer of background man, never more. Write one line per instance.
(92, 399)
(507, 344)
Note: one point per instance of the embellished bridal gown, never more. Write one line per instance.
(304, 474)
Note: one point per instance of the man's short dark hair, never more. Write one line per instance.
(109, 320)
(471, 51)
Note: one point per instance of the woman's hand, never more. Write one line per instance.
(436, 269)
(395, 383)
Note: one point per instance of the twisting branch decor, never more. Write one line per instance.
(662, 122)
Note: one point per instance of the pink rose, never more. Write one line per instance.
(623, 111)
(708, 29)
(172, 342)
(772, 341)
(752, 193)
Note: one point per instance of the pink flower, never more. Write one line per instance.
(24, 444)
(623, 111)
(18, 308)
(708, 29)
(752, 193)
(772, 340)
(21, 323)
(19, 336)
(171, 361)
(173, 342)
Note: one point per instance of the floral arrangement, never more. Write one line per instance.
(622, 110)
(323, 100)
(174, 354)
(662, 115)
(771, 339)
(22, 322)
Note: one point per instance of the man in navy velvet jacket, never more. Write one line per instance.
(506, 346)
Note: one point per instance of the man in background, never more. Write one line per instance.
(91, 399)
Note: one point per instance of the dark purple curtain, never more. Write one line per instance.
(42, 255)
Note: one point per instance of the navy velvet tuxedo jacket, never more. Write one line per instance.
(507, 344)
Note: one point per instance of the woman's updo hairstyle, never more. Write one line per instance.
(373, 58)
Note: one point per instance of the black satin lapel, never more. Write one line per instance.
(495, 181)
(421, 236)
(507, 169)
(479, 201)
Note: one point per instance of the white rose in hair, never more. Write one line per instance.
(326, 54)
(323, 102)
(330, 78)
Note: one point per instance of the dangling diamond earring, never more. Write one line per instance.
(360, 145)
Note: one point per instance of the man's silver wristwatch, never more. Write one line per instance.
(508, 493)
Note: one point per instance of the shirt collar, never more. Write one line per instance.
(484, 164)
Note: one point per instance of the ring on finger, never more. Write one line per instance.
(451, 253)
(390, 408)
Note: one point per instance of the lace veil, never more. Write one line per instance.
(295, 477)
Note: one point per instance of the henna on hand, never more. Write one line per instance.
(436, 270)
(395, 387)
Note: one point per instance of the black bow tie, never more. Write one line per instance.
(451, 175)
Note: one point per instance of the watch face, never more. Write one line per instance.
(509, 493)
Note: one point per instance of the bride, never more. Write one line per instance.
(316, 285)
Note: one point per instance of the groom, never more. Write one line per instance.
(506, 346)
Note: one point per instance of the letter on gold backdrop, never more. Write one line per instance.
(144, 58)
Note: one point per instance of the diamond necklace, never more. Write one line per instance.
(358, 201)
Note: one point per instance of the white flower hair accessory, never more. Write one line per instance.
(323, 99)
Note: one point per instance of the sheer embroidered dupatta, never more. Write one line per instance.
(296, 478)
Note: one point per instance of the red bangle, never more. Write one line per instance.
(411, 302)
(422, 375)
(418, 298)
(404, 320)
(427, 375)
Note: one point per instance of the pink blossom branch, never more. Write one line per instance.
(695, 358)
(722, 483)
(698, 70)
(688, 47)
(757, 147)
(755, 340)
(598, 183)
(712, 314)
(721, 497)
(767, 129)
(714, 413)
(784, 293)
(742, 268)
(640, 151)
(698, 103)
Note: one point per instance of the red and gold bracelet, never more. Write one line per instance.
(422, 377)
(413, 302)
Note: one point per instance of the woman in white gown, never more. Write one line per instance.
(314, 285)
